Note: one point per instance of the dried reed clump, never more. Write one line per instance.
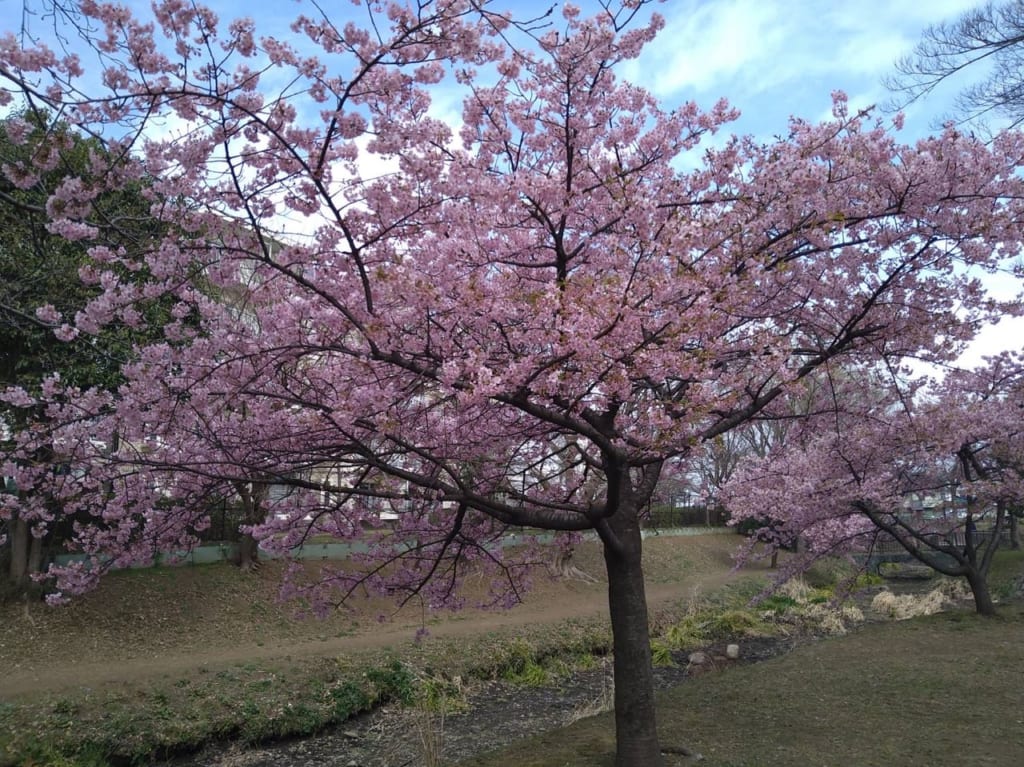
(909, 605)
(834, 620)
(795, 588)
(429, 726)
(954, 588)
(852, 614)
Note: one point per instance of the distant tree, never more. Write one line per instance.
(986, 43)
(849, 478)
(717, 461)
(1013, 519)
(41, 274)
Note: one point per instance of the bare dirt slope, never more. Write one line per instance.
(167, 622)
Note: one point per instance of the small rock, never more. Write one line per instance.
(732, 651)
(351, 734)
(697, 659)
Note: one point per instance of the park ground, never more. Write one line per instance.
(165, 660)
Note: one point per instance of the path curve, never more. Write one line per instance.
(585, 602)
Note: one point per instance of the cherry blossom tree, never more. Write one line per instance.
(512, 322)
(850, 479)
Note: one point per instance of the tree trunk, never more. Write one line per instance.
(635, 726)
(1014, 532)
(252, 495)
(248, 552)
(19, 534)
(983, 604)
(35, 555)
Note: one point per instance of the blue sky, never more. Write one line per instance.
(776, 58)
(770, 58)
(773, 59)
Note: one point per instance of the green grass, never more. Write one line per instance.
(196, 608)
(252, 702)
(1007, 567)
(751, 712)
(943, 691)
(262, 700)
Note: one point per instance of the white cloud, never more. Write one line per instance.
(992, 340)
(773, 59)
(705, 44)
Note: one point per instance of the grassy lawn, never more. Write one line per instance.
(943, 690)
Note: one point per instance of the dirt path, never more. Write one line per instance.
(101, 662)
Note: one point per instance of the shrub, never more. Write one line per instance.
(661, 653)
(393, 682)
(439, 694)
(349, 699)
(778, 603)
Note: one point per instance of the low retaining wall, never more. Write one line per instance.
(226, 552)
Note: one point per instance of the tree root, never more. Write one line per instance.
(562, 567)
(574, 573)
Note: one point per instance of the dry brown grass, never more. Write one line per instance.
(903, 606)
